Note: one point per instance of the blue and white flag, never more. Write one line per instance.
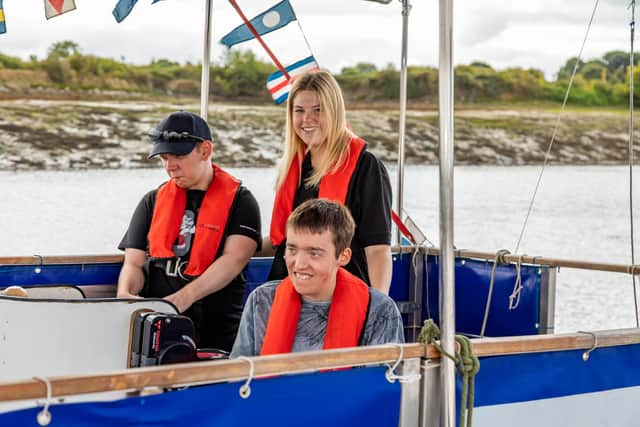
(3, 26)
(124, 7)
(276, 17)
(278, 84)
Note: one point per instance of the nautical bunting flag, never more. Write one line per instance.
(3, 26)
(124, 7)
(271, 19)
(279, 86)
(54, 8)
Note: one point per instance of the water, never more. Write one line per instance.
(580, 213)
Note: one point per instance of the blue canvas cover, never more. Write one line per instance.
(360, 396)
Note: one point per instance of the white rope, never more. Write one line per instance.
(587, 353)
(514, 298)
(499, 259)
(38, 268)
(245, 389)
(304, 36)
(391, 375)
(44, 416)
(555, 130)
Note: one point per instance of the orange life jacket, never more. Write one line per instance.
(214, 212)
(347, 315)
(333, 186)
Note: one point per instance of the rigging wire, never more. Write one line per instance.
(632, 26)
(304, 36)
(555, 130)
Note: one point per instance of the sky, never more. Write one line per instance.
(540, 34)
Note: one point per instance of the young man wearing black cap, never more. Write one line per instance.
(190, 239)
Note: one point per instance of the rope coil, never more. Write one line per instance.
(466, 362)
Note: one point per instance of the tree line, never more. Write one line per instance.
(240, 75)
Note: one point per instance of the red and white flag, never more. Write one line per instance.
(53, 8)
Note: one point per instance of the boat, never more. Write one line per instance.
(55, 369)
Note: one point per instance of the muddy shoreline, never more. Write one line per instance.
(74, 134)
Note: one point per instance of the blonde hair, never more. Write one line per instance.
(332, 108)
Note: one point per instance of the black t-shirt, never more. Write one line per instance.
(368, 200)
(244, 219)
(216, 316)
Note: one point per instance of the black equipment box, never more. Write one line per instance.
(160, 339)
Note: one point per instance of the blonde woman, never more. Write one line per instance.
(324, 159)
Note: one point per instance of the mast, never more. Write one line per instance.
(206, 56)
(402, 123)
(632, 27)
(447, 278)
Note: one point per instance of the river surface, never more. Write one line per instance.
(580, 213)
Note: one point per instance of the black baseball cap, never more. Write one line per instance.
(178, 134)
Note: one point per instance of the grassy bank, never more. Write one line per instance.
(238, 76)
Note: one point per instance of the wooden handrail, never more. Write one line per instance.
(633, 269)
(207, 372)
(459, 253)
(556, 342)
(231, 370)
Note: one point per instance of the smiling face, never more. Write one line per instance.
(309, 120)
(190, 171)
(312, 262)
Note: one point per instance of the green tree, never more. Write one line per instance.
(113, 68)
(467, 86)
(565, 71)
(617, 62)
(521, 84)
(243, 75)
(360, 68)
(594, 70)
(481, 64)
(58, 70)
(63, 49)
(11, 62)
(422, 83)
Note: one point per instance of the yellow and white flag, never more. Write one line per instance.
(53, 8)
